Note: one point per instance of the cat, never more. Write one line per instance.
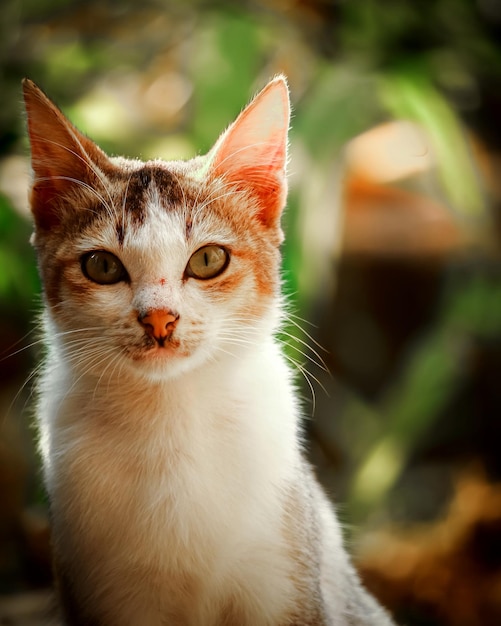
(169, 421)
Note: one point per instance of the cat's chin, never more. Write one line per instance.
(162, 363)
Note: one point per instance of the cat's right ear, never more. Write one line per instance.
(252, 153)
(61, 157)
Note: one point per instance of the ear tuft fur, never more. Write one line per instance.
(252, 153)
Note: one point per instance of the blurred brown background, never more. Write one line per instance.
(393, 255)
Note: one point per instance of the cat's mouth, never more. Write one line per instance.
(154, 351)
(163, 349)
(160, 362)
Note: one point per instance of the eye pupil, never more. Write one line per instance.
(206, 259)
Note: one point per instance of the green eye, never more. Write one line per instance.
(207, 262)
(103, 268)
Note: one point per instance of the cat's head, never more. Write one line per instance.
(159, 266)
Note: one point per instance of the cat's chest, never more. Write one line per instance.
(161, 464)
(152, 493)
(178, 485)
(147, 452)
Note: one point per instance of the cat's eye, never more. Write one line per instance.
(103, 267)
(207, 262)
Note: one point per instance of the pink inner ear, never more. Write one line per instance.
(253, 152)
(269, 190)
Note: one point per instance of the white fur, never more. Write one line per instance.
(185, 470)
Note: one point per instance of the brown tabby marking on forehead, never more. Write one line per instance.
(134, 189)
(120, 233)
(145, 177)
(120, 193)
(138, 185)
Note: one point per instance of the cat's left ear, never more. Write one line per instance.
(252, 153)
(62, 158)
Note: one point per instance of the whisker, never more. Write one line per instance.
(320, 363)
(211, 200)
(29, 379)
(16, 343)
(308, 377)
(299, 327)
(116, 360)
(95, 359)
(24, 348)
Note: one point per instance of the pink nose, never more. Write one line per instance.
(159, 323)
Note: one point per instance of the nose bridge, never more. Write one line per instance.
(157, 294)
(157, 281)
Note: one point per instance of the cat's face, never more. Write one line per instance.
(190, 252)
(159, 267)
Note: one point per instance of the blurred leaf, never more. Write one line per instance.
(335, 109)
(227, 41)
(410, 94)
(435, 371)
(18, 275)
(475, 309)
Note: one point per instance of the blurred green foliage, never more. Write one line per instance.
(18, 275)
